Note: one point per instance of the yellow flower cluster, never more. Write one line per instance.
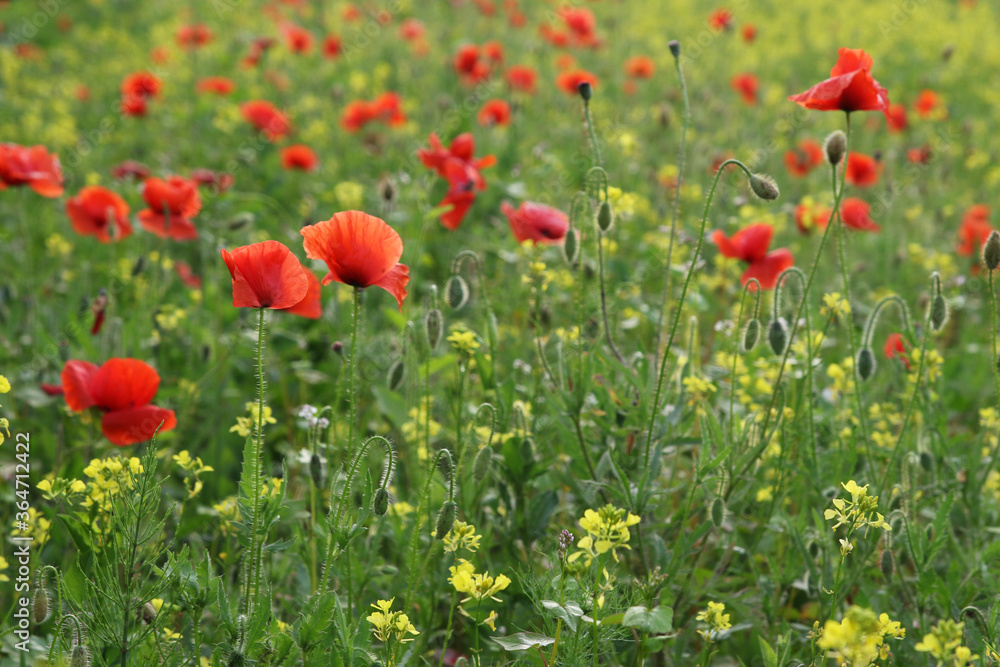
(462, 536)
(477, 586)
(244, 425)
(945, 644)
(859, 639)
(607, 530)
(463, 341)
(835, 305)
(715, 619)
(194, 468)
(388, 625)
(856, 512)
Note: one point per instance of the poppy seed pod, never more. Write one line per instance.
(777, 335)
(751, 335)
(939, 313)
(396, 374)
(764, 187)
(456, 292)
(675, 48)
(316, 470)
(835, 147)
(865, 363)
(381, 501)
(718, 511)
(40, 606)
(991, 251)
(446, 519)
(571, 245)
(434, 325)
(886, 565)
(586, 90)
(605, 216)
(481, 465)
(79, 656)
(147, 613)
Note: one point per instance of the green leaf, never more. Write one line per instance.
(657, 621)
(523, 641)
(770, 657)
(568, 612)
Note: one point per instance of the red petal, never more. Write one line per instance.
(753, 241)
(128, 427)
(395, 282)
(768, 269)
(266, 275)
(358, 248)
(311, 305)
(121, 384)
(77, 384)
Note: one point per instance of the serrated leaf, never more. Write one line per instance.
(523, 641)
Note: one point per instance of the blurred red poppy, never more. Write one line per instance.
(927, 103)
(855, 214)
(122, 389)
(640, 67)
(300, 157)
(582, 25)
(130, 169)
(746, 85)
(193, 36)
(265, 117)
(493, 52)
(750, 245)
(386, 108)
(311, 305)
(141, 84)
(258, 48)
(218, 85)
(749, 32)
(218, 181)
(412, 29)
(895, 347)
(920, 155)
(32, 166)
(265, 275)
(469, 65)
(570, 80)
(807, 156)
(297, 39)
(536, 222)
(895, 117)
(522, 78)
(171, 203)
(974, 231)
(493, 113)
(721, 19)
(810, 216)
(850, 87)
(187, 276)
(333, 46)
(360, 250)
(97, 211)
(133, 106)
(862, 170)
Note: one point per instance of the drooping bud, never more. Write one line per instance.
(886, 564)
(79, 656)
(397, 371)
(381, 501)
(148, 613)
(40, 605)
(751, 335)
(605, 216)
(456, 292)
(316, 470)
(991, 251)
(777, 335)
(939, 313)
(865, 363)
(835, 147)
(481, 464)
(926, 461)
(337, 347)
(446, 519)
(764, 187)
(571, 245)
(434, 324)
(675, 48)
(586, 90)
(718, 511)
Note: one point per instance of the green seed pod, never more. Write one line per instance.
(926, 461)
(446, 519)
(316, 470)
(139, 266)
(481, 464)
(605, 216)
(396, 374)
(528, 453)
(586, 90)
(571, 246)
(381, 501)
(939, 313)
(886, 564)
(79, 656)
(835, 147)
(389, 570)
(777, 335)
(434, 325)
(675, 48)
(718, 511)
(40, 605)
(456, 292)
(865, 363)
(764, 187)
(148, 613)
(991, 251)
(751, 335)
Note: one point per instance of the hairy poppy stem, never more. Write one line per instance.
(736, 352)
(253, 573)
(996, 370)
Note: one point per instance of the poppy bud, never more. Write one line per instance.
(381, 501)
(886, 564)
(751, 335)
(585, 90)
(79, 656)
(528, 453)
(316, 470)
(939, 313)
(446, 519)
(764, 187)
(865, 363)
(926, 461)
(481, 465)
(675, 48)
(456, 292)
(434, 326)
(396, 374)
(387, 189)
(337, 347)
(571, 245)
(718, 510)
(836, 146)
(991, 251)
(139, 266)
(777, 335)
(389, 570)
(148, 613)
(605, 216)
(40, 606)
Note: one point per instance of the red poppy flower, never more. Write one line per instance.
(298, 39)
(388, 108)
(219, 181)
(82, 93)
(721, 19)
(849, 88)
(746, 85)
(810, 216)
(460, 154)
(160, 55)
(311, 305)
(920, 155)
(807, 156)
(133, 106)
(582, 25)
(749, 33)
(570, 80)
(351, 13)
(855, 214)
(184, 272)
(141, 84)
(130, 169)
(266, 275)
(974, 231)
(34, 167)
(257, 49)
(333, 46)
(522, 78)
(265, 117)
(895, 117)
(896, 347)
(494, 112)
(640, 67)
(122, 389)
(750, 245)
(862, 170)
(175, 197)
(412, 29)
(193, 36)
(299, 157)
(218, 85)
(536, 222)
(96, 210)
(565, 61)
(356, 115)
(469, 66)
(493, 52)
(360, 250)
(927, 103)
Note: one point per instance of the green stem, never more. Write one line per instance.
(590, 132)
(604, 302)
(996, 372)
(253, 570)
(595, 644)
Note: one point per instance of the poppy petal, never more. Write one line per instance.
(77, 384)
(359, 249)
(266, 275)
(128, 427)
(311, 305)
(395, 282)
(767, 270)
(121, 384)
